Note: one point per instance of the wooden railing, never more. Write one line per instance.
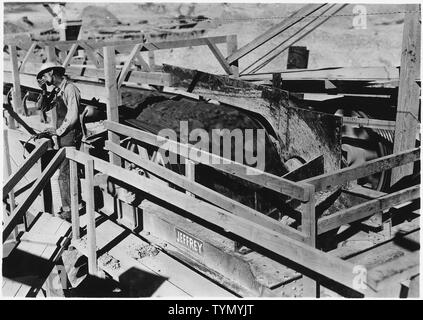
(19, 213)
(234, 217)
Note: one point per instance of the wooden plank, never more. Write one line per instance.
(127, 65)
(309, 228)
(91, 230)
(313, 260)
(367, 74)
(69, 56)
(24, 168)
(28, 54)
(159, 45)
(409, 91)
(275, 30)
(206, 193)
(13, 115)
(73, 171)
(232, 47)
(367, 209)
(16, 94)
(309, 169)
(94, 75)
(366, 193)
(368, 123)
(33, 193)
(144, 65)
(112, 93)
(267, 180)
(10, 193)
(91, 56)
(326, 181)
(219, 56)
(189, 173)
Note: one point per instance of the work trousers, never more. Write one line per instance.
(71, 139)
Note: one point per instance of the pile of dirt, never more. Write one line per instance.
(10, 27)
(109, 261)
(93, 16)
(138, 252)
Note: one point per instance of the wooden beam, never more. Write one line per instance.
(368, 123)
(219, 56)
(16, 94)
(366, 193)
(33, 193)
(313, 260)
(142, 62)
(90, 85)
(73, 171)
(91, 56)
(264, 179)
(190, 173)
(91, 237)
(274, 31)
(24, 168)
(367, 209)
(18, 119)
(394, 272)
(11, 193)
(128, 63)
(51, 57)
(409, 91)
(28, 54)
(326, 181)
(112, 96)
(370, 74)
(206, 193)
(231, 47)
(150, 46)
(69, 56)
(309, 228)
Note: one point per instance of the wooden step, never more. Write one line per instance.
(31, 261)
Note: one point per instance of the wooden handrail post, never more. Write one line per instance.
(190, 172)
(409, 91)
(47, 193)
(51, 57)
(74, 199)
(16, 94)
(309, 227)
(91, 237)
(9, 172)
(112, 96)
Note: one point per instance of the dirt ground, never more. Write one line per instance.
(335, 43)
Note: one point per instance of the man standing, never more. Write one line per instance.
(66, 100)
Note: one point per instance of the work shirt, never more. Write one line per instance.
(68, 113)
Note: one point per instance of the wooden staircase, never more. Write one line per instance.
(27, 266)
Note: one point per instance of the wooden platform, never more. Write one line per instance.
(27, 266)
(142, 269)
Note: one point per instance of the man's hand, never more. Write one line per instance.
(50, 131)
(42, 85)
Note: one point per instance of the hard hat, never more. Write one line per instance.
(46, 67)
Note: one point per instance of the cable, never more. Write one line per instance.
(290, 37)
